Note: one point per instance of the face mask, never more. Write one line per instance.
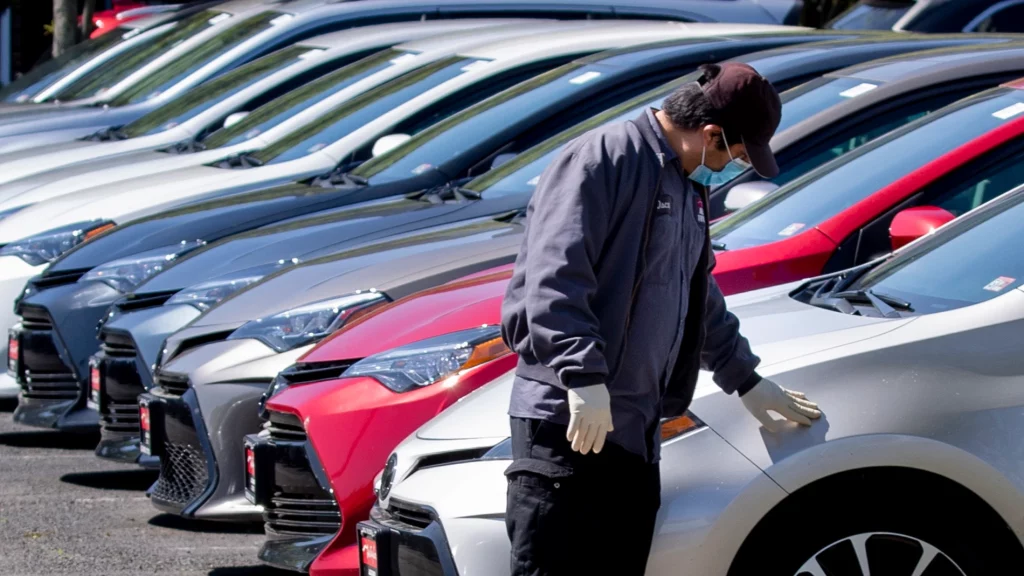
(709, 178)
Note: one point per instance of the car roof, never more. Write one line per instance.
(950, 62)
(482, 35)
(343, 38)
(603, 33)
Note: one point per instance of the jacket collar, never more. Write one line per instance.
(651, 132)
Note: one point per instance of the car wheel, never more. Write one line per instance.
(880, 526)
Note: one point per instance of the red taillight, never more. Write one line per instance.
(94, 378)
(13, 349)
(250, 461)
(369, 550)
(144, 418)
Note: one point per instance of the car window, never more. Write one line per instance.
(156, 83)
(969, 262)
(521, 174)
(362, 109)
(277, 111)
(444, 140)
(216, 91)
(123, 65)
(45, 74)
(806, 100)
(984, 184)
(1009, 19)
(834, 187)
(880, 16)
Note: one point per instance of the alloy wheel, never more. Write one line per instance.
(880, 554)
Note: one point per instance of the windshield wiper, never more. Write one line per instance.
(243, 160)
(886, 305)
(720, 246)
(187, 147)
(448, 193)
(108, 135)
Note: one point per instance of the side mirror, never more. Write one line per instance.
(388, 143)
(913, 223)
(501, 159)
(745, 193)
(235, 118)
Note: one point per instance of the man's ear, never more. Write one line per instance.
(712, 134)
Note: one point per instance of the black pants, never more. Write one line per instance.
(574, 515)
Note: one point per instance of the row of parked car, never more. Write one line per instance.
(263, 246)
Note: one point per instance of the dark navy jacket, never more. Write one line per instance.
(613, 285)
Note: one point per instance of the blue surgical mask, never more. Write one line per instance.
(709, 178)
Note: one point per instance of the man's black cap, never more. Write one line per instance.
(752, 104)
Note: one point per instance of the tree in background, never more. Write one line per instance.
(65, 24)
(817, 13)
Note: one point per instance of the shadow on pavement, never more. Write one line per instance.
(8, 404)
(113, 480)
(179, 523)
(250, 571)
(50, 439)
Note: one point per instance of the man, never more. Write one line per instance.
(613, 310)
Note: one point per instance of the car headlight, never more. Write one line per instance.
(126, 273)
(310, 323)
(50, 245)
(207, 294)
(427, 361)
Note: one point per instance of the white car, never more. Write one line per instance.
(227, 99)
(914, 469)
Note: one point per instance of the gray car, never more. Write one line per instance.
(914, 469)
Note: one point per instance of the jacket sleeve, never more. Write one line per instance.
(726, 353)
(566, 229)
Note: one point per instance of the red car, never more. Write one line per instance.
(419, 356)
(902, 185)
(123, 11)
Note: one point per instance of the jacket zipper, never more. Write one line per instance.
(643, 261)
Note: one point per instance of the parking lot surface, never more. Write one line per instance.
(64, 511)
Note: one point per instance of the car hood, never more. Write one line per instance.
(303, 239)
(112, 202)
(396, 268)
(778, 327)
(13, 125)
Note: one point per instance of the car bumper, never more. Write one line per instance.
(9, 387)
(301, 516)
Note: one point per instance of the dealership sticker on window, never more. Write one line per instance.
(421, 168)
(585, 77)
(862, 88)
(403, 58)
(533, 181)
(311, 54)
(1009, 111)
(792, 229)
(218, 18)
(281, 19)
(998, 284)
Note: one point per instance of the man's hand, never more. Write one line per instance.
(768, 395)
(590, 418)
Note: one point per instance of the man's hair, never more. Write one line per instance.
(689, 109)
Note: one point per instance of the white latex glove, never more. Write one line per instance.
(768, 396)
(590, 418)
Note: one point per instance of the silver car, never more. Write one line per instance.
(915, 468)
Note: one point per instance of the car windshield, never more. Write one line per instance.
(123, 65)
(448, 138)
(878, 15)
(838, 185)
(362, 109)
(215, 91)
(806, 100)
(45, 74)
(287, 106)
(154, 84)
(971, 261)
(521, 174)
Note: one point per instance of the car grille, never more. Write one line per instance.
(122, 418)
(117, 346)
(303, 372)
(49, 280)
(172, 384)
(153, 300)
(119, 414)
(183, 474)
(33, 318)
(410, 515)
(51, 385)
(311, 513)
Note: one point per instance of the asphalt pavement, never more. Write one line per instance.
(65, 511)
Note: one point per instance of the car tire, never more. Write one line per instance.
(892, 524)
